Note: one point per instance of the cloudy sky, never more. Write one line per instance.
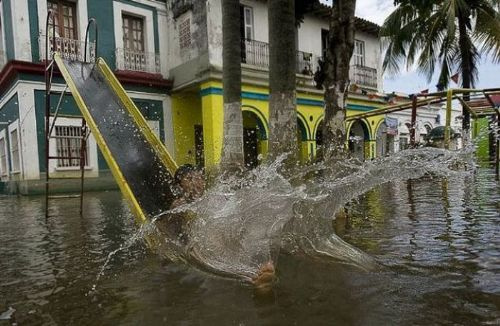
(410, 81)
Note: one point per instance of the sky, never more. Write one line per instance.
(411, 81)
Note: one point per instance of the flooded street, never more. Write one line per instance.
(437, 239)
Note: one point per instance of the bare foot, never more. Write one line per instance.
(265, 277)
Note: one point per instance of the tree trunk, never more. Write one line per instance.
(232, 149)
(337, 64)
(466, 66)
(282, 61)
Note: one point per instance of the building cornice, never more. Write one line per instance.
(15, 67)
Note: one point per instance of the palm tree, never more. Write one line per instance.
(232, 152)
(449, 34)
(282, 99)
(336, 77)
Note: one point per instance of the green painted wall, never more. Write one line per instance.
(33, 16)
(8, 29)
(102, 11)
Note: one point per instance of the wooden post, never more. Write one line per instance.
(413, 121)
(447, 129)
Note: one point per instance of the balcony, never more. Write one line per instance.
(256, 53)
(69, 49)
(364, 76)
(137, 61)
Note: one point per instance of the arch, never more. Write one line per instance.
(317, 125)
(364, 124)
(260, 119)
(301, 118)
(254, 136)
(384, 140)
(302, 129)
(358, 135)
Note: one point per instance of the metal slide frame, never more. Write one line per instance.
(138, 118)
(49, 126)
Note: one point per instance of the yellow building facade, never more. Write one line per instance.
(198, 123)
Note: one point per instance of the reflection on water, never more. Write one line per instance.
(438, 239)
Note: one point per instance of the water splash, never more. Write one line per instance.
(241, 223)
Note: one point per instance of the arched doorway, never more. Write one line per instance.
(358, 136)
(254, 138)
(319, 136)
(302, 140)
(385, 140)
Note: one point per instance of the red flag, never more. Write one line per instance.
(455, 78)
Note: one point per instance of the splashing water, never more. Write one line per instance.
(242, 223)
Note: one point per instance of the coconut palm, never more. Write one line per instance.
(449, 35)
(282, 99)
(336, 77)
(232, 152)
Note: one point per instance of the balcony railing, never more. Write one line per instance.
(365, 76)
(69, 49)
(138, 61)
(256, 53)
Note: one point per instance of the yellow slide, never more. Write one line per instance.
(140, 163)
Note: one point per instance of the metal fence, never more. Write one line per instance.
(69, 49)
(137, 61)
(365, 76)
(256, 53)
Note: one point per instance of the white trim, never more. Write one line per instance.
(81, 17)
(92, 166)
(14, 127)
(21, 30)
(5, 174)
(147, 15)
(2, 37)
(155, 4)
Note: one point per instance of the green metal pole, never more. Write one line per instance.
(447, 129)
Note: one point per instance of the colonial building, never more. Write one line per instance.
(168, 56)
(129, 40)
(195, 61)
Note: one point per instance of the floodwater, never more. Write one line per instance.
(437, 240)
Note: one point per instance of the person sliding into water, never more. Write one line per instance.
(176, 225)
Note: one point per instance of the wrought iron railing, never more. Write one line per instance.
(256, 53)
(69, 49)
(137, 61)
(365, 76)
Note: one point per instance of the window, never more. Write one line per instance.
(324, 42)
(14, 151)
(133, 33)
(359, 53)
(3, 157)
(246, 16)
(69, 142)
(185, 34)
(65, 12)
